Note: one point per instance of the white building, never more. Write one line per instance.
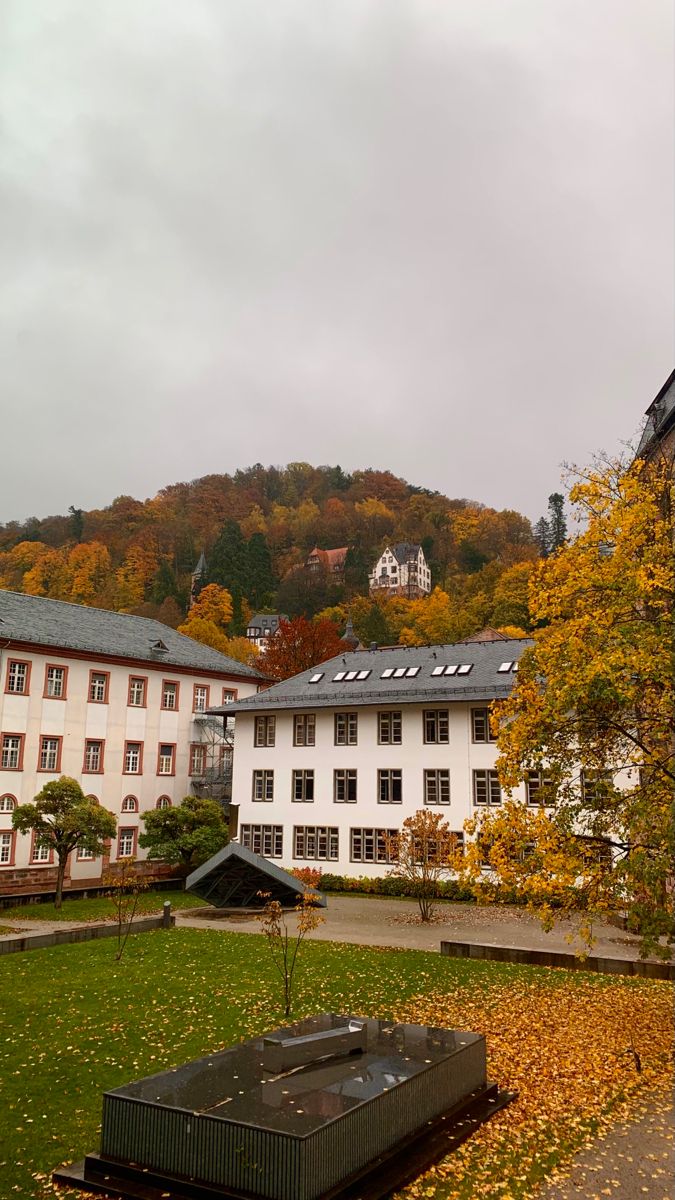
(329, 763)
(114, 701)
(263, 626)
(401, 570)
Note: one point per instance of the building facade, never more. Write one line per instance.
(332, 562)
(401, 570)
(263, 626)
(116, 702)
(330, 763)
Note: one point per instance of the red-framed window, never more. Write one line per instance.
(49, 756)
(230, 695)
(7, 848)
(200, 697)
(166, 758)
(163, 802)
(40, 856)
(17, 679)
(197, 758)
(11, 751)
(56, 682)
(130, 804)
(127, 838)
(99, 687)
(132, 762)
(94, 752)
(7, 803)
(137, 696)
(170, 695)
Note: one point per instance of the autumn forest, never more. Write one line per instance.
(256, 528)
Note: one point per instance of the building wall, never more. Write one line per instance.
(76, 719)
(461, 756)
(388, 568)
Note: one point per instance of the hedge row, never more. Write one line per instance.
(387, 885)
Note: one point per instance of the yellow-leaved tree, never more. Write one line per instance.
(589, 724)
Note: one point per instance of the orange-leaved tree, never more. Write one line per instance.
(424, 852)
(298, 645)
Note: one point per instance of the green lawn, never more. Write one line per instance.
(76, 1022)
(98, 908)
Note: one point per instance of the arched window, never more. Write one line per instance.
(163, 802)
(129, 804)
(7, 803)
(94, 799)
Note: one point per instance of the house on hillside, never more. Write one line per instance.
(658, 435)
(401, 570)
(263, 626)
(331, 762)
(331, 561)
(118, 703)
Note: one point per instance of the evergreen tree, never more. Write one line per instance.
(556, 521)
(76, 523)
(164, 584)
(261, 582)
(228, 561)
(542, 535)
(374, 627)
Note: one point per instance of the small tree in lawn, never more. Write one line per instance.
(187, 834)
(64, 819)
(425, 850)
(125, 888)
(283, 948)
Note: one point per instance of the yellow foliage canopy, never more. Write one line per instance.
(592, 711)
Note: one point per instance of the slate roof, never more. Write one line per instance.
(64, 626)
(266, 621)
(482, 683)
(234, 878)
(403, 551)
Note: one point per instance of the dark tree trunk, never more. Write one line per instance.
(60, 873)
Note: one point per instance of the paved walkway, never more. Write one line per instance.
(377, 921)
(633, 1161)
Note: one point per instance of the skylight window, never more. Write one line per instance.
(464, 669)
(351, 675)
(515, 666)
(339, 677)
(363, 674)
(315, 678)
(505, 666)
(387, 673)
(411, 672)
(452, 670)
(438, 670)
(399, 672)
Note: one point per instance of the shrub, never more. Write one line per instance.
(310, 876)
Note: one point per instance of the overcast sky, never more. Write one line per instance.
(434, 236)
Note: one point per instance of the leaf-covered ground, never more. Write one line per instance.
(75, 1022)
(99, 908)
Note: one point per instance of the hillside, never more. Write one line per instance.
(255, 526)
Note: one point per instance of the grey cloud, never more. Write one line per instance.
(435, 238)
